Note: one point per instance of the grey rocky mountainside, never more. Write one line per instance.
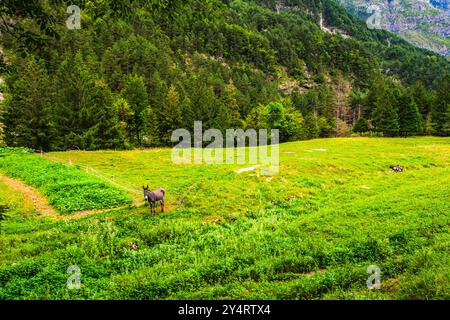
(425, 23)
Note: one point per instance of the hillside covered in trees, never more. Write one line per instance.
(137, 70)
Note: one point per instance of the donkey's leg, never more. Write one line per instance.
(162, 205)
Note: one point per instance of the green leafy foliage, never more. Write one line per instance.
(280, 115)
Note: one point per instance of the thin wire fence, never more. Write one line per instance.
(92, 171)
(88, 170)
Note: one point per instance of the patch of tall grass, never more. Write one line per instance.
(67, 188)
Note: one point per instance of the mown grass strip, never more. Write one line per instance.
(67, 188)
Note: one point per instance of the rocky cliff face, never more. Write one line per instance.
(425, 23)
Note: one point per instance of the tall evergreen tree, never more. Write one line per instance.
(27, 117)
(311, 129)
(230, 100)
(410, 119)
(423, 98)
(361, 126)
(135, 93)
(384, 98)
(386, 118)
(83, 110)
(170, 116)
(441, 112)
(105, 131)
(126, 116)
(72, 102)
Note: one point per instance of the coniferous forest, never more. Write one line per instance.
(138, 70)
(96, 203)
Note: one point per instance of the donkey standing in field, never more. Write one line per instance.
(153, 197)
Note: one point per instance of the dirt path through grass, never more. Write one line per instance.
(39, 201)
(41, 204)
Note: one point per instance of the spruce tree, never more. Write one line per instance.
(71, 103)
(170, 117)
(423, 98)
(441, 113)
(106, 131)
(361, 126)
(230, 100)
(135, 93)
(27, 117)
(126, 116)
(410, 119)
(386, 118)
(311, 127)
(385, 100)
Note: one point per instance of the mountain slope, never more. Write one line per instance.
(424, 23)
(138, 70)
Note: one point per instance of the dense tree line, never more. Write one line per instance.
(137, 70)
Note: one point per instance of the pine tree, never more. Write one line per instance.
(386, 119)
(126, 116)
(410, 119)
(423, 98)
(135, 93)
(71, 102)
(27, 113)
(170, 117)
(311, 127)
(205, 104)
(230, 100)
(222, 72)
(84, 113)
(361, 126)
(106, 131)
(385, 100)
(441, 112)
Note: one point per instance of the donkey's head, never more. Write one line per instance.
(146, 191)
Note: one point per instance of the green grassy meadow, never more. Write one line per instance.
(309, 232)
(67, 187)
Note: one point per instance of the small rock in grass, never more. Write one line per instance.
(247, 169)
(397, 168)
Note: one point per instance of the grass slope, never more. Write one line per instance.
(309, 233)
(68, 188)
